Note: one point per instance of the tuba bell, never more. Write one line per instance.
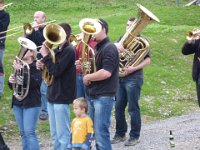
(53, 34)
(88, 27)
(136, 48)
(22, 76)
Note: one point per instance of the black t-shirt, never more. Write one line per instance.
(106, 58)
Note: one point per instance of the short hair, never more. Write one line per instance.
(67, 29)
(104, 24)
(82, 103)
(131, 19)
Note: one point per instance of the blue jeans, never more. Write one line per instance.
(43, 90)
(128, 92)
(2, 77)
(59, 120)
(100, 112)
(26, 119)
(80, 86)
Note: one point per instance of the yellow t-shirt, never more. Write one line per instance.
(80, 127)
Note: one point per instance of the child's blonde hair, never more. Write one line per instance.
(82, 103)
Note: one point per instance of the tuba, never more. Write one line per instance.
(22, 76)
(136, 48)
(88, 27)
(53, 34)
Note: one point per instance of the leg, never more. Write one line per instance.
(30, 124)
(44, 112)
(133, 88)
(198, 89)
(2, 77)
(102, 114)
(120, 115)
(18, 113)
(80, 86)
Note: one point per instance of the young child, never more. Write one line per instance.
(81, 126)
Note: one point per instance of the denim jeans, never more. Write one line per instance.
(100, 112)
(26, 119)
(198, 89)
(2, 76)
(43, 90)
(59, 120)
(128, 92)
(80, 86)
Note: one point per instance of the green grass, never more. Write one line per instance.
(168, 89)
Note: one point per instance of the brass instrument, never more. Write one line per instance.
(88, 27)
(5, 6)
(53, 34)
(73, 40)
(22, 76)
(27, 28)
(193, 35)
(136, 47)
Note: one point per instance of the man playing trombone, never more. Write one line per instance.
(36, 35)
(4, 22)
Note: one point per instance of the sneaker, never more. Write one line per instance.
(118, 139)
(43, 117)
(132, 141)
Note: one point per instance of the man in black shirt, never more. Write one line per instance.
(101, 86)
(192, 46)
(4, 22)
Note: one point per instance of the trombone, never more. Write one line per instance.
(27, 28)
(5, 6)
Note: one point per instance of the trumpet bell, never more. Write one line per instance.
(28, 29)
(90, 26)
(54, 34)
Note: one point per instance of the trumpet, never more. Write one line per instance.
(5, 6)
(193, 35)
(27, 28)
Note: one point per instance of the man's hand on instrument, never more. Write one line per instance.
(39, 64)
(86, 79)
(44, 50)
(128, 70)
(12, 79)
(78, 64)
(17, 65)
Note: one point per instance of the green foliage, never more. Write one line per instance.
(168, 89)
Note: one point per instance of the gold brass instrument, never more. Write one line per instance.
(5, 6)
(88, 27)
(53, 34)
(73, 40)
(136, 47)
(22, 76)
(27, 28)
(193, 35)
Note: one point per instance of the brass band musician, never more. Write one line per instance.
(4, 23)
(192, 46)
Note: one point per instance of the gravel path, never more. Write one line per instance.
(154, 136)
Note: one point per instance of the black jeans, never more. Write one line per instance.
(198, 89)
(3, 145)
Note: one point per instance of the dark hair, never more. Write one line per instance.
(82, 103)
(132, 19)
(104, 24)
(67, 29)
(1, 1)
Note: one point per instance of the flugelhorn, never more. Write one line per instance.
(5, 6)
(193, 35)
(27, 28)
(88, 27)
(53, 34)
(22, 76)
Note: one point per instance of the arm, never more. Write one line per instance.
(190, 47)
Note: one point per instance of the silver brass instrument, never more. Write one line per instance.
(53, 34)
(193, 35)
(22, 76)
(136, 48)
(89, 27)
